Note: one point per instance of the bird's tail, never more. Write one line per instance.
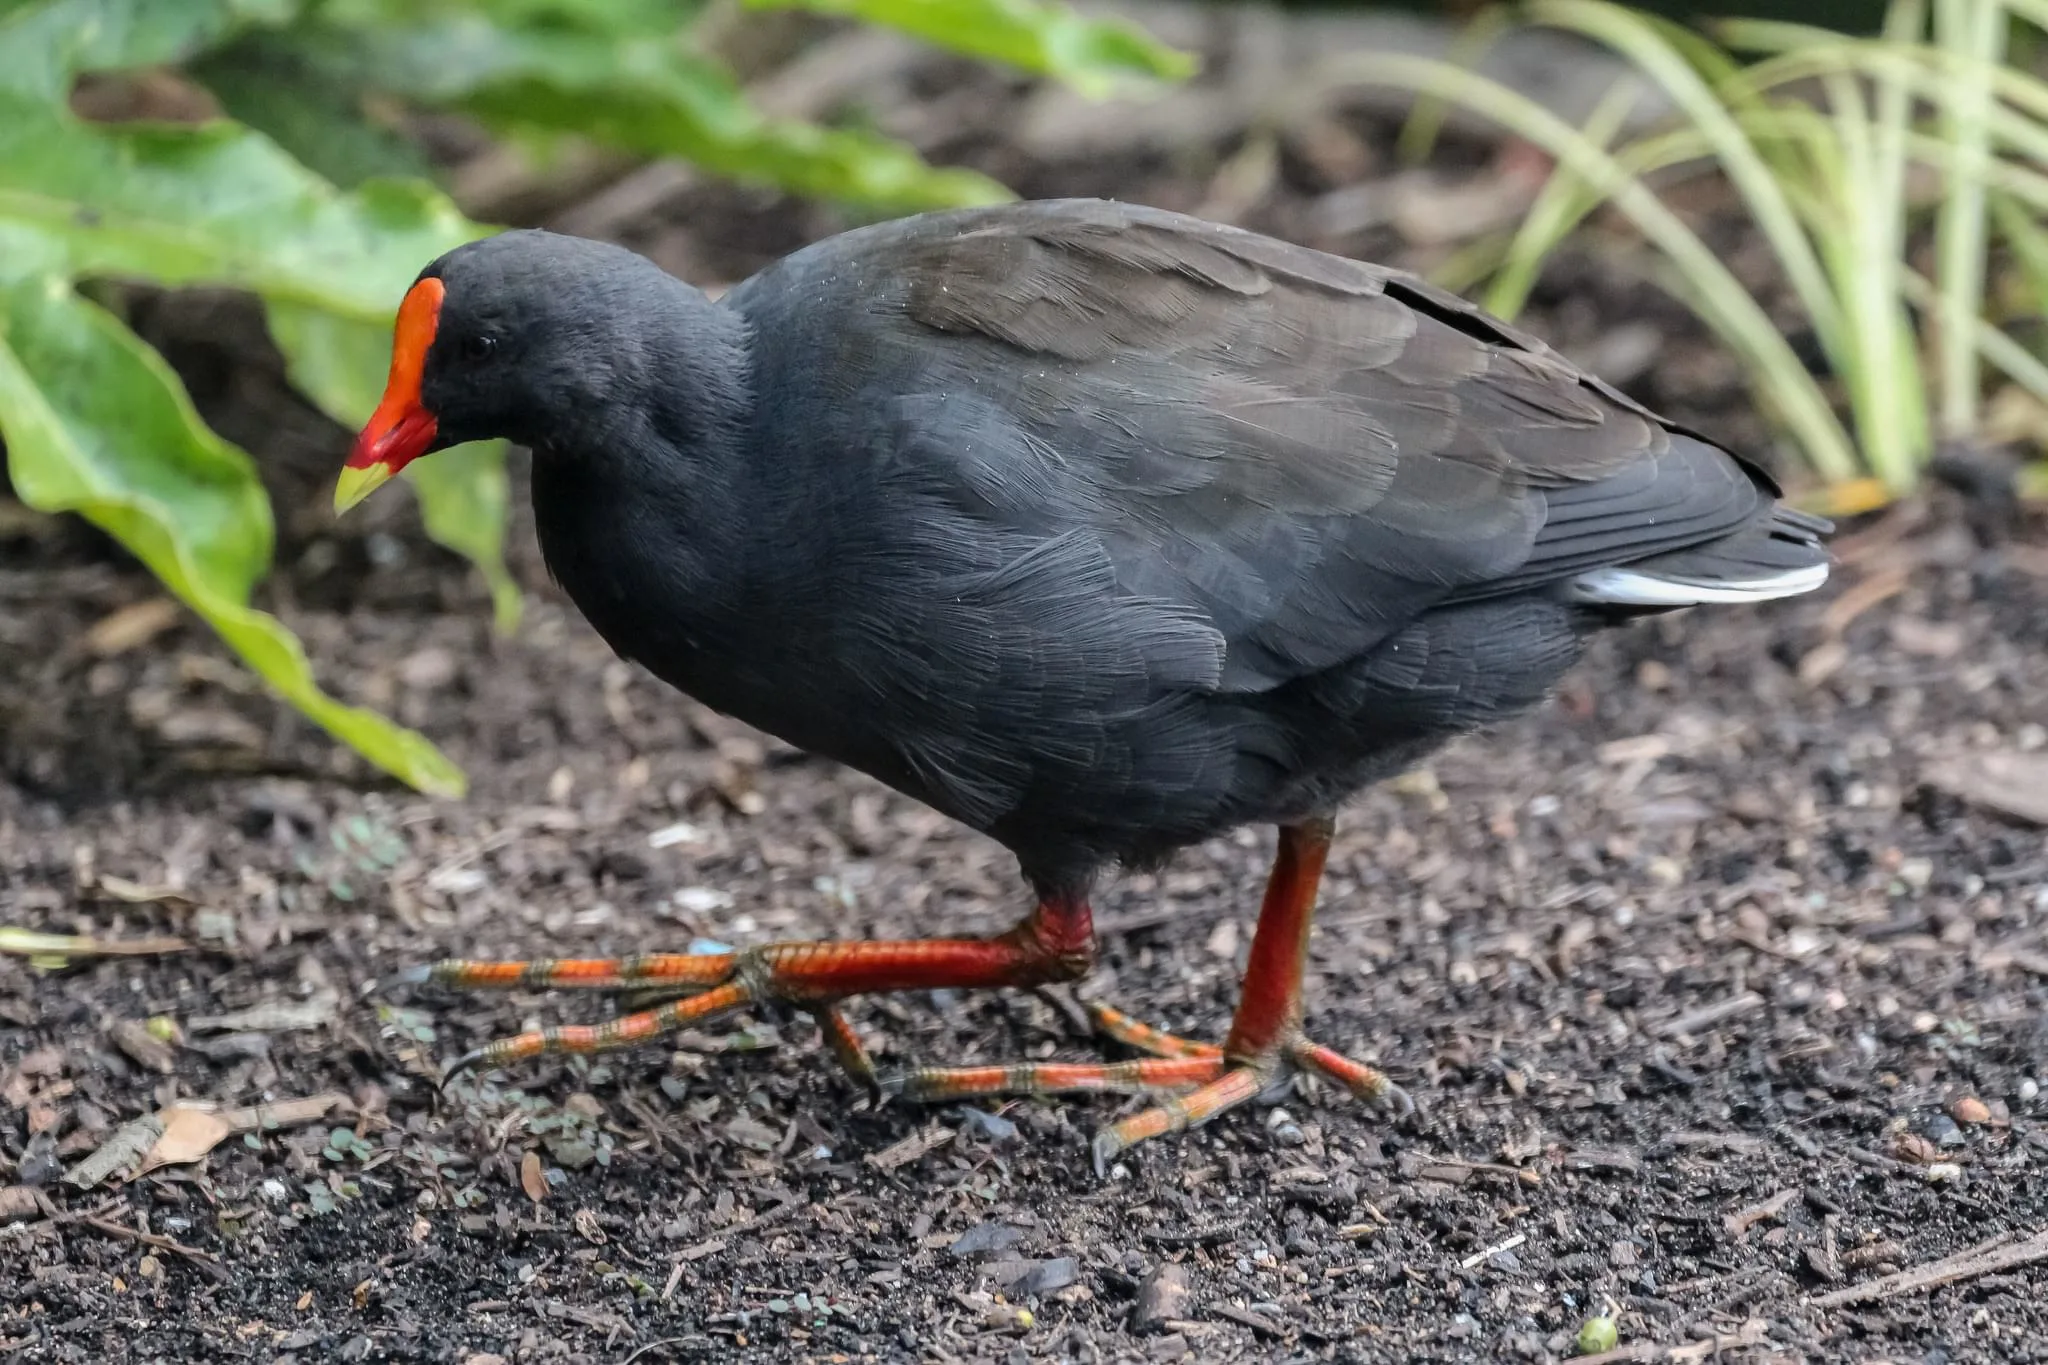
(1779, 554)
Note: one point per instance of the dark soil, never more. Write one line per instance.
(1714, 1000)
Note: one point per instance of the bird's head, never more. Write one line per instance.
(504, 337)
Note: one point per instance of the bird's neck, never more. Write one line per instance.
(643, 509)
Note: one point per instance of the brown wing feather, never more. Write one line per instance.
(1090, 281)
(1303, 452)
(1311, 449)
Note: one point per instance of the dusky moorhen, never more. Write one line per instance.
(1099, 528)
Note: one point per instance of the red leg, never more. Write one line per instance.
(1055, 942)
(1269, 1009)
(1266, 1031)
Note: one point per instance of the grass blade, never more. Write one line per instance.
(1975, 29)
(1707, 110)
(1780, 378)
(1560, 206)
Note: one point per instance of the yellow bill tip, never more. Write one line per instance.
(357, 483)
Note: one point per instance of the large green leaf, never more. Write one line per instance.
(641, 91)
(1093, 55)
(213, 204)
(262, 80)
(95, 423)
(47, 42)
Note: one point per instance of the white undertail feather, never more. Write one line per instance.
(1622, 587)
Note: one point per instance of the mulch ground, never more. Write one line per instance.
(1722, 981)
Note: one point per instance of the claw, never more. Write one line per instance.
(461, 1066)
(407, 976)
(1396, 1103)
(1105, 1148)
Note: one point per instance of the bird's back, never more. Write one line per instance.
(1117, 526)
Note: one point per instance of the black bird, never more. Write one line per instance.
(1099, 528)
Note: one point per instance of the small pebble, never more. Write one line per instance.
(1970, 1109)
(1944, 1132)
(994, 1127)
(2029, 1089)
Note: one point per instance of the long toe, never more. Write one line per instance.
(1368, 1083)
(1144, 1076)
(628, 1030)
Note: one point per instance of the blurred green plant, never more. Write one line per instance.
(311, 195)
(1839, 148)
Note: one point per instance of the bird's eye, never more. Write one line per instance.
(478, 346)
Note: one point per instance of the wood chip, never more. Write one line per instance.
(1603, 1159)
(1732, 1142)
(276, 1016)
(1885, 1252)
(1861, 596)
(709, 1247)
(1481, 1257)
(1705, 1017)
(119, 1154)
(531, 1178)
(1163, 1297)
(910, 1149)
(19, 1203)
(133, 1037)
(269, 1118)
(130, 626)
(2009, 782)
(29, 943)
(1741, 1221)
(1201, 1234)
(1264, 1326)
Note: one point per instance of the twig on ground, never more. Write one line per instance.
(1740, 1222)
(1984, 1259)
(1496, 1249)
(1707, 1016)
(205, 1260)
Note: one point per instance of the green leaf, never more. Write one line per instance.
(212, 204)
(96, 424)
(1093, 55)
(465, 499)
(264, 81)
(641, 94)
(47, 43)
(464, 495)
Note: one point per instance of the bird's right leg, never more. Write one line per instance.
(1055, 942)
